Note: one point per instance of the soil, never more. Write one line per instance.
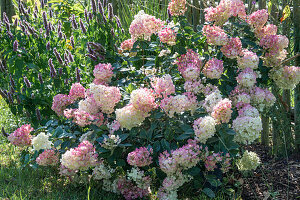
(274, 179)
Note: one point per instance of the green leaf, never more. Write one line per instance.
(209, 192)
(123, 137)
(183, 136)
(231, 132)
(156, 146)
(194, 171)
(215, 182)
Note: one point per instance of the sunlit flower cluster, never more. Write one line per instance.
(41, 141)
(103, 73)
(167, 36)
(247, 78)
(21, 137)
(77, 91)
(233, 48)
(163, 86)
(60, 103)
(177, 7)
(140, 157)
(215, 35)
(127, 45)
(205, 128)
(222, 111)
(81, 157)
(48, 158)
(249, 59)
(286, 77)
(213, 68)
(249, 161)
(247, 129)
(143, 99)
(211, 100)
(258, 19)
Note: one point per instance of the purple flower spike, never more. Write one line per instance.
(57, 55)
(38, 114)
(26, 81)
(15, 45)
(78, 74)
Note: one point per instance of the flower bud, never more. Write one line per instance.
(101, 10)
(18, 100)
(72, 41)
(50, 13)
(10, 99)
(42, 4)
(45, 21)
(16, 22)
(86, 16)
(104, 3)
(71, 58)
(73, 21)
(2, 93)
(90, 16)
(11, 80)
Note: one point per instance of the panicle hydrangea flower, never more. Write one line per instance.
(258, 19)
(177, 7)
(80, 158)
(194, 87)
(274, 58)
(139, 178)
(111, 142)
(247, 129)
(210, 162)
(106, 97)
(247, 78)
(178, 104)
(41, 141)
(215, 35)
(77, 91)
(82, 118)
(131, 191)
(167, 36)
(213, 68)
(102, 171)
(204, 128)
(114, 126)
(287, 77)
(209, 89)
(224, 10)
(274, 43)
(130, 117)
(211, 100)
(248, 111)
(191, 58)
(249, 161)
(191, 72)
(60, 103)
(240, 100)
(180, 159)
(140, 157)
(48, 157)
(258, 95)
(144, 25)
(222, 111)
(21, 137)
(270, 99)
(103, 73)
(269, 29)
(233, 48)
(71, 174)
(163, 86)
(248, 60)
(89, 105)
(143, 99)
(127, 45)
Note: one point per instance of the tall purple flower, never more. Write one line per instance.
(72, 41)
(110, 11)
(15, 45)
(41, 78)
(57, 55)
(42, 4)
(118, 22)
(101, 10)
(19, 100)
(90, 16)
(66, 57)
(16, 22)
(82, 26)
(60, 72)
(38, 114)
(73, 21)
(48, 46)
(45, 21)
(11, 80)
(94, 6)
(104, 3)
(27, 82)
(50, 13)
(52, 69)
(2, 93)
(71, 58)
(86, 16)
(78, 74)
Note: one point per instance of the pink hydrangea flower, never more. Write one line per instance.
(143, 99)
(103, 73)
(269, 29)
(141, 157)
(270, 99)
(215, 35)
(233, 48)
(248, 59)
(163, 86)
(248, 111)
(213, 68)
(247, 78)
(21, 137)
(177, 7)
(274, 43)
(144, 25)
(48, 157)
(194, 87)
(89, 105)
(127, 45)
(60, 102)
(80, 158)
(168, 36)
(77, 91)
(258, 18)
(191, 72)
(191, 58)
(82, 118)
(222, 111)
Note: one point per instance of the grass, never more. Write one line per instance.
(18, 183)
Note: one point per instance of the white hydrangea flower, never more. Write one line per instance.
(41, 141)
(212, 100)
(205, 128)
(102, 172)
(249, 161)
(247, 129)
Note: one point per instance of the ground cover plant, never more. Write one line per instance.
(170, 113)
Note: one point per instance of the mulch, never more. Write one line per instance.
(274, 179)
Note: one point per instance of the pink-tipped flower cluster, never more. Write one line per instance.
(180, 159)
(233, 48)
(269, 29)
(168, 36)
(204, 128)
(141, 157)
(144, 25)
(258, 19)
(177, 7)
(215, 35)
(222, 111)
(247, 78)
(191, 58)
(226, 8)
(103, 73)
(77, 91)
(48, 158)
(60, 103)
(127, 45)
(143, 99)
(105, 97)
(287, 77)
(131, 191)
(213, 68)
(21, 137)
(163, 86)
(249, 59)
(80, 158)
